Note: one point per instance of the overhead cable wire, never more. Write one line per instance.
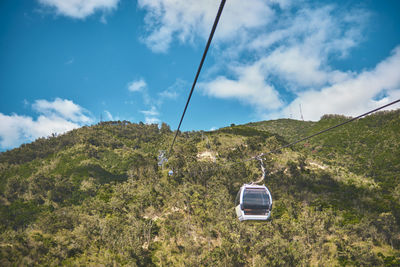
(259, 157)
(328, 129)
(320, 132)
(199, 69)
(315, 134)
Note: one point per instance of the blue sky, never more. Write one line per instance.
(68, 63)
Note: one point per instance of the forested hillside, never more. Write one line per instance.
(96, 196)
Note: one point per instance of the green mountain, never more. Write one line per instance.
(96, 196)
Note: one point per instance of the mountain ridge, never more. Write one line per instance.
(96, 195)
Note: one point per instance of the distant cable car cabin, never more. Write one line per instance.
(253, 202)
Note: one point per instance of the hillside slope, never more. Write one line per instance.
(96, 196)
(369, 146)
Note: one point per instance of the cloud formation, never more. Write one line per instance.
(80, 9)
(59, 116)
(355, 95)
(298, 51)
(62, 108)
(173, 91)
(151, 115)
(274, 55)
(137, 85)
(109, 116)
(294, 57)
(154, 103)
(250, 88)
(185, 20)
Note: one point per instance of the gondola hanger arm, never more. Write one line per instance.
(262, 170)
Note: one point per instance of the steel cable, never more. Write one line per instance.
(221, 7)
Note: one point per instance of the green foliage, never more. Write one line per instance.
(18, 214)
(95, 196)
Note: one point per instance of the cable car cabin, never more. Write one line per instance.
(253, 202)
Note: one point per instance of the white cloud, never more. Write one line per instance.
(26, 103)
(185, 20)
(169, 94)
(80, 9)
(299, 68)
(173, 91)
(250, 88)
(140, 86)
(152, 120)
(111, 117)
(151, 116)
(152, 112)
(108, 115)
(292, 55)
(155, 103)
(300, 45)
(271, 51)
(352, 96)
(137, 85)
(61, 108)
(58, 116)
(12, 130)
(253, 24)
(336, 29)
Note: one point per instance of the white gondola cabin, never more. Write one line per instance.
(253, 202)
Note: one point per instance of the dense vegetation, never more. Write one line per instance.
(96, 195)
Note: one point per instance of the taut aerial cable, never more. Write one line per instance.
(221, 7)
